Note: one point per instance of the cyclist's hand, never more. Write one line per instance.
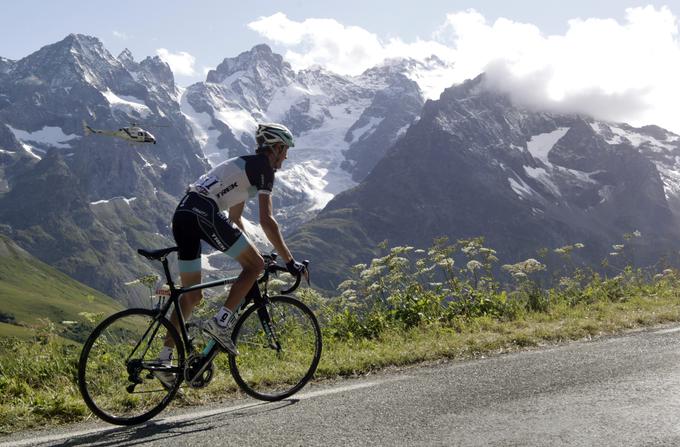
(297, 268)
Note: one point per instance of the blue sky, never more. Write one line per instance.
(613, 59)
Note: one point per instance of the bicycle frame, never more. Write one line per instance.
(176, 292)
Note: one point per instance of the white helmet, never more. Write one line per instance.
(268, 134)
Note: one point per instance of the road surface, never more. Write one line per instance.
(613, 391)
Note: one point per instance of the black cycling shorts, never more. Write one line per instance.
(198, 217)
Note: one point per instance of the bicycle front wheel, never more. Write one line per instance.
(275, 359)
(118, 372)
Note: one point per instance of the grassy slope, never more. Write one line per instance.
(31, 290)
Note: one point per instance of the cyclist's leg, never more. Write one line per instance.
(225, 236)
(187, 233)
(252, 263)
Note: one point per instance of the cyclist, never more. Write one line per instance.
(199, 217)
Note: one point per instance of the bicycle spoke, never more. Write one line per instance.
(119, 380)
(272, 373)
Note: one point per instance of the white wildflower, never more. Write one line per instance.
(526, 267)
(375, 287)
(474, 265)
(427, 269)
(614, 253)
(578, 245)
(359, 268)
(401, 250)
(398, 261)
(349, 295)
(531, 265)
(347, 284)
(637, 233)
(469, 250)
(446, 263)
(489, 251)
(618, 247)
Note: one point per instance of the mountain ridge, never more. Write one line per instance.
(477, 165)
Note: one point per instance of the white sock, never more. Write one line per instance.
(166, 353)
(223, 317)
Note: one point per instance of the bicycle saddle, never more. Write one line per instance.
(156, 254)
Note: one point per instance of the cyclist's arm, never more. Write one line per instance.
(235, 213)
(271, 227)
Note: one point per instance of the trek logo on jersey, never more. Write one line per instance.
(226, 190)
(218, 243)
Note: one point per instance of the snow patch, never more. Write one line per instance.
(205, 261)
(542, 176)
(284, 98)
(256, 235)
(365, 130)
(126, 104)
(308, 178)
(636, 139)
(125, 199)
(204, 131)
(30, 149)
(50, 136)
(520, 187)
(540, 145)
(239, 121)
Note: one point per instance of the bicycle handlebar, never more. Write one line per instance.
(272, 267)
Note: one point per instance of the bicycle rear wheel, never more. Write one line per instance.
(277, 366)
(118, 367)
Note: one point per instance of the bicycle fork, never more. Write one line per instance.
(268, 327)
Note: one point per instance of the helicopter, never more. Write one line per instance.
(134, 133)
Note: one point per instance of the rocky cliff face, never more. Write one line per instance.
(476, 165)
(85, 203)
(342, 125)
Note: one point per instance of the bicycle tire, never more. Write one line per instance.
(264, 372)
(105, 364)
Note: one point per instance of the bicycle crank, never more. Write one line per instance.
(198, 372)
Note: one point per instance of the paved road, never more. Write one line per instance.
(619, 391)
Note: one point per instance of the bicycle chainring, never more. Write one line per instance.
(193, 366)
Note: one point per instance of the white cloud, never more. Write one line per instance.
(120, 35)
(617, 71)
(326, 42)
(348, 49)
(622, 71)
(181, 63)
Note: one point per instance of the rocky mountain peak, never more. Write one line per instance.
(159, 70)
(126, 56)
(260, 64)
(6, 65)
(74, 59)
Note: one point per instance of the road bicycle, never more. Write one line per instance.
(278, 339)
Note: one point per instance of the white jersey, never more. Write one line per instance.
(235, 180)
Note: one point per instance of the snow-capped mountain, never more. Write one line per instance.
(342, 125)
(477, 165)
(85, 203)
(371, 160)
